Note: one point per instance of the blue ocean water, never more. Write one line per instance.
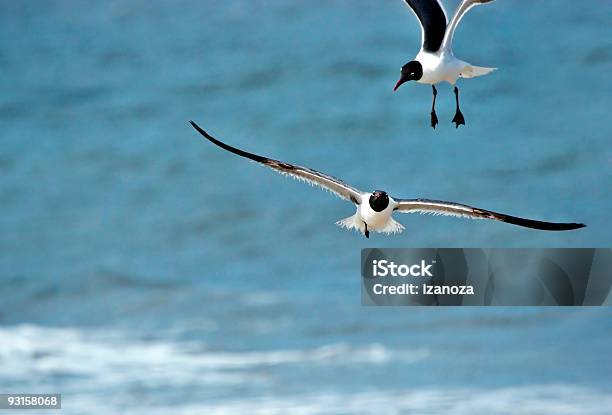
(145, 271)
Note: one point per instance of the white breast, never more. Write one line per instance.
(439, 68)
(375, 220)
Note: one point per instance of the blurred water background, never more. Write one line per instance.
(145, 271)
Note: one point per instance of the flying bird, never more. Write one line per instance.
(436, 62)
(374, 210)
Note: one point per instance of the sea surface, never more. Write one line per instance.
(145, 271)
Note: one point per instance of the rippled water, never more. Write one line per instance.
(144, 270)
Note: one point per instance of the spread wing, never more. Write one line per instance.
(432, 17)
(437, 207)
(465, 5)
(310, 176)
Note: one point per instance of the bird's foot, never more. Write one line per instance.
(367, 234)
(458, 119)
(434, 120)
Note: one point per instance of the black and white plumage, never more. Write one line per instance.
(436, 62)
(375, 209)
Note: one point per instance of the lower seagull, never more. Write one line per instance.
(375, 209)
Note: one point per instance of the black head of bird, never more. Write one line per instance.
(379, 201)
(412, 71)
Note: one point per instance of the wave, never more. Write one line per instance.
(104, 371)
(107, 357)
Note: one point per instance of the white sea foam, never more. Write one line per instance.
(99, 367)
(106, 358)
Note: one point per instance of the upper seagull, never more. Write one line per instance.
(436, 62)
(375, 209)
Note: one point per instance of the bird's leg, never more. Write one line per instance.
(458, 119)
(434, 117)
(366, 233)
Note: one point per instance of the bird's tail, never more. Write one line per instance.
(352, 222)
(471, 71)
(393, 227)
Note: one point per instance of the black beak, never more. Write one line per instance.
(400, 82)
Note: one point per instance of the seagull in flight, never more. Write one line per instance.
(374, 210)
(436, 62)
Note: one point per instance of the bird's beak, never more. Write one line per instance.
(399, 83)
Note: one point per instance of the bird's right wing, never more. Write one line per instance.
(336, 186)
(465, 5)
(432, 18)
(436, 207)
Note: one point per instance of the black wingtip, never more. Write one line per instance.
(237, 151)
(544, 226)
(200, 130)
(569, 226)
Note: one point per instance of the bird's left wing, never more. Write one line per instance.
(310, 176)
(432, 18)
(437, 207)
(465, 5)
